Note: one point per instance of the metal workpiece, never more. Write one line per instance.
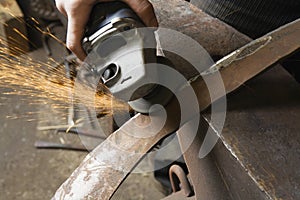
(239, 54)
(236, 68)
(217, 38)
(108, 165)
(178, 196)
(261, 135)
(53, 145)
(179, 180)
(107, 172)
(204, 174)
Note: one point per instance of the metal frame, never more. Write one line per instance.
(236, 69)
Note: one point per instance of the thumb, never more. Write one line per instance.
(77, 20)
(144, 9)
(75, 33)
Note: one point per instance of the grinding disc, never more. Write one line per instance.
(160, 95)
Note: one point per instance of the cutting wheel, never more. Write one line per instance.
(160, 95)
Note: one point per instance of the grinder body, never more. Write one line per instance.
(117, 44)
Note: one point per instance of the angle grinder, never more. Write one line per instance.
(122, 54)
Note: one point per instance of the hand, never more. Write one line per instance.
(78, 13)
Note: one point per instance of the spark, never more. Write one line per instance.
(44, 81)
(33, 79)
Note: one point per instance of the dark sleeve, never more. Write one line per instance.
(252, 17)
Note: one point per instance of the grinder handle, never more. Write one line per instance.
(103, 13)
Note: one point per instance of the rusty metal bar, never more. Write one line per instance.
(246, 62)
(178, 196)
(204, 174)
(54, 145)
(261, 137)
(217, 38)
(179, 180)
(104, 169)
(107, 179)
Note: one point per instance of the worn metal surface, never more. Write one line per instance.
(53, 145)
(98, 172)
(238, 183)
(179, 180)
(179, 196)
(204, 174)
(262, 132)
(215, 36)
(104, 169)
(107, 183)
(244, 63)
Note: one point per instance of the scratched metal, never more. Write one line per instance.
(100, 183)
(214, 35)
(235, 71)
(262, 132)
(178, 196)
(99, 180)
(103, 170)
(204, 175)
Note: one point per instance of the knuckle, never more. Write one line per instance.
(145, 6)
(72, 46)
(59, 5)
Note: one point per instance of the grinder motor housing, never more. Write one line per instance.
(118, 53)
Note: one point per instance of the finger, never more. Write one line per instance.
(77, 20)
(61, 8)
(75, 34)
(144, 10)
